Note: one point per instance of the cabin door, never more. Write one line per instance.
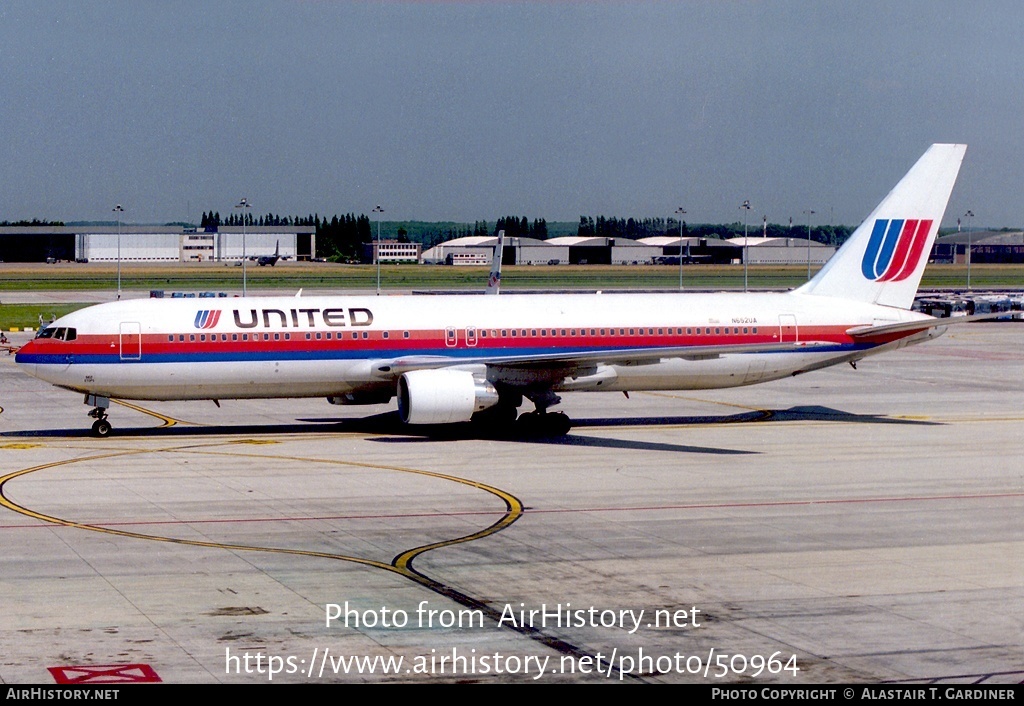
(131, 340)
(788, 332)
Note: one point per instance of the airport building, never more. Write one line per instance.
(578, 250)
(154, 243)
(782, 251)
(711, 251)
(479, 250)
(986, 246)
(391, 251)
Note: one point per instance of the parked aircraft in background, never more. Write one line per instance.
(494, 279)
(270, 259)
(456, 358)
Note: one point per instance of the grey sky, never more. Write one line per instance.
(474, 110)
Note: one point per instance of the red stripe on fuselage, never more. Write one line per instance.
(375, 344)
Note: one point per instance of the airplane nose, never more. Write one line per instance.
(29, 368)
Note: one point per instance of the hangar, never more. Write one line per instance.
(782, 251)
(597, 250)
(41, 243)
(986, 246)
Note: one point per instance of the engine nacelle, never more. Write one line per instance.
(442, 396)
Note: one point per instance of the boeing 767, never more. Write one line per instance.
(456, 358)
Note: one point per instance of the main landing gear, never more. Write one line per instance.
(541, 422)
(101, 427)
(504, 421)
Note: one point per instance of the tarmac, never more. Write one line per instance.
(846, 526)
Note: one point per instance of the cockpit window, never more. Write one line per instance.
(60, 334)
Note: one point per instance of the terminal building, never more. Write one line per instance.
(172, 244)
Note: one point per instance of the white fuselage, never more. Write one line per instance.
(264, 347)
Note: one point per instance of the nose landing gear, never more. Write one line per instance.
(101, 427)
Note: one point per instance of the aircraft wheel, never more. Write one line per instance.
(558, 423)
(538, 424)
(101, 428)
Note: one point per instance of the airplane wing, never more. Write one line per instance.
(564, 360)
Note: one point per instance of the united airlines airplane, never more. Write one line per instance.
(457, 358)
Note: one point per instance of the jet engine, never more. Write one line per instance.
(442, 396)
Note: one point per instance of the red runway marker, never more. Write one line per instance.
(105, 674)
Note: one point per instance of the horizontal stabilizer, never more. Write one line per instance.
(919, 325)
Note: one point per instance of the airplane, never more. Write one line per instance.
(270, 259)
(494, 279)
(451, 358)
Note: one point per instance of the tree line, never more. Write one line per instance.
(342, 237)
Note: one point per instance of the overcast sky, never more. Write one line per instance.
(474, 110)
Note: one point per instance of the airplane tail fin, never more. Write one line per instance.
(884, 259)
(494, 280)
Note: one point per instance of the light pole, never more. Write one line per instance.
(118, 210)
(681, 212)
(809, 213)
(376, 251)
(969, 215)
(244, 205)
(746, 208)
